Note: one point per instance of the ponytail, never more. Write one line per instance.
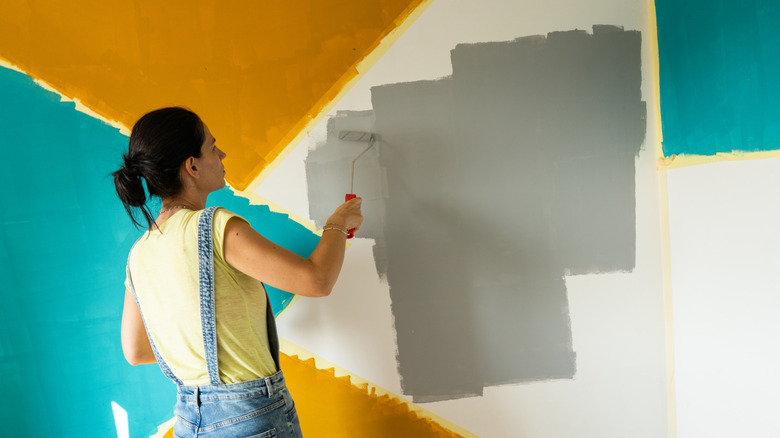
(130, 189)
(160, 141)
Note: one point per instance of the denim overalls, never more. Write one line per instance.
(257, 408)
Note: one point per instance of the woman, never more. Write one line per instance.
(195, 301)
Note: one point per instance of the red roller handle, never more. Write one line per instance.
(351, 231)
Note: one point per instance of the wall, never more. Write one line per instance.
(124, 59)
(588, 320)
(616, 318)
(724, 256)
(718, 63)
(61, 330)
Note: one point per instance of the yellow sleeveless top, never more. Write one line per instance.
(164, 269)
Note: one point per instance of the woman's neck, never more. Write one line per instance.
(188, 199)
(174, 204)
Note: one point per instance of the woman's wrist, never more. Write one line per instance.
(334, 226)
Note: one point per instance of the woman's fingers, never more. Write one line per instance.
(349, 214)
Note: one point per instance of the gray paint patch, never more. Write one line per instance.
(487, 188)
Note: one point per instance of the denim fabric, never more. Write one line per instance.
(246, 409)
(206, 285)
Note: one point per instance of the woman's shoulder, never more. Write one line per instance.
(218, 211)
(222, 216)
(224, 212)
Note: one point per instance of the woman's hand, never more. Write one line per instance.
(348, 214)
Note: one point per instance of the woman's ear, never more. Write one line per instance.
(190, 167)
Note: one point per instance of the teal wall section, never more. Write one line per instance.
(64, 237)
(719, 69)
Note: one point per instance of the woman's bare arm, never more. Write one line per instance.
(135, 343)
(251, 253)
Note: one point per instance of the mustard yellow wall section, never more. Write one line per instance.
(257, 72)
(334, 407)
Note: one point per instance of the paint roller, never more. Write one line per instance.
(355, 136)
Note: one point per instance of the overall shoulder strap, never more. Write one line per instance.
(207, 308)
(206, 286)
(270, 324)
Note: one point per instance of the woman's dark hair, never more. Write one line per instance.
(160, 141)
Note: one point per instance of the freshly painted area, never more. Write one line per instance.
(259, 72)
(485, 189)
(718, 64)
